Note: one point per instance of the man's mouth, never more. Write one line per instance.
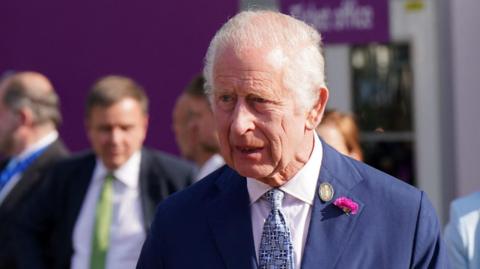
(247, 149)
(114, 151)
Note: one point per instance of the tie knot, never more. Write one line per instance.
(274, 197)
(109, 177)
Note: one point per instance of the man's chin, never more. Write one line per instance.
(114, 164)
(252, 172)
(266, 176)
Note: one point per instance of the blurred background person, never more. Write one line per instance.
(195, 129)
(29, 118)
(98, 205)
(184, 136)
(461, 233)
(340, 131)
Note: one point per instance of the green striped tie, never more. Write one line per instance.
(103, 218)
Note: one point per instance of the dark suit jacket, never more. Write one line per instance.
(46, 230)
(209, 224)
(16, 199)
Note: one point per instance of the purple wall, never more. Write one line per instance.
(160, 44)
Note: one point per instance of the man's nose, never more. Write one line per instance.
(116, 135)
(242, 119)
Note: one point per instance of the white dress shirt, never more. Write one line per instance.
(209, 166)
(43, 142)
(127, 232)
(297, 203)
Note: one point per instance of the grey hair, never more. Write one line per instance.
(294, 45)
(44, 104)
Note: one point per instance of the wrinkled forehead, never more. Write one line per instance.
(264, 62)
(273, 54)
(246, 75)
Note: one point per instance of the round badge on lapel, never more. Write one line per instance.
(325, 191)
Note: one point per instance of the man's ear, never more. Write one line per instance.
(25, 117)
(316, 113)
(146, 120)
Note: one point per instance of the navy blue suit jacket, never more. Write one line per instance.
(209, 225)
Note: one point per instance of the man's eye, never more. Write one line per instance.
(259, 100)
(126, 127)
(225, 101)
(225, 98)
(104, 129)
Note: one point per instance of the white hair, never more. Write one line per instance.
(293, 45)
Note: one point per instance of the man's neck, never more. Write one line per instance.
(202, 158)
(32, 137)
(283, 174)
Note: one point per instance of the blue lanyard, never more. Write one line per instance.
(14, 167)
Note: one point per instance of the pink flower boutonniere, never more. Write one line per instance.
(348, 206)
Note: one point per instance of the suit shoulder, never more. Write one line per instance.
(358, 176)
(389, 202)
(57, 149)
(74, 162)
(53, 153)
(381, 181)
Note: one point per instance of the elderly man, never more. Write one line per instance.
(29, 117)
(97, 207)
(286, 199)
(195, 130)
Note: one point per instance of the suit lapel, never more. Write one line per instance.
(330, 229)
(230, 222)
(147, 204)
(78, 187)
(28, 179)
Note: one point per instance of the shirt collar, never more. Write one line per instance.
(301, 186)
(209, 166)
(128, 173)
(215, 160)
(41, 143)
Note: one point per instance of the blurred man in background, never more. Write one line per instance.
(462, 235)
(97, 207)
(181, 118)
(29, 118)
(195, 130)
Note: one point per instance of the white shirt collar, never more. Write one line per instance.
(43, 142)
(215, 161)
(209, 166)
(301, 186)
(128, 173)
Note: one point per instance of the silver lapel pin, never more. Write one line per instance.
(326, 192)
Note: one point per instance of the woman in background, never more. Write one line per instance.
(340, 131)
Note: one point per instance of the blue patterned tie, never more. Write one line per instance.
(276, 251)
